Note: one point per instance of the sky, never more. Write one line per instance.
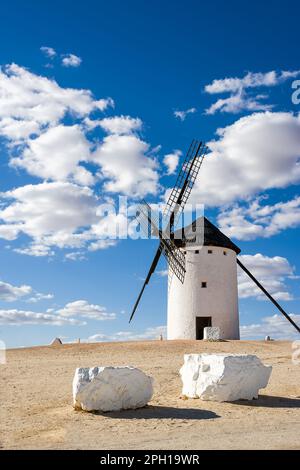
(101, 100)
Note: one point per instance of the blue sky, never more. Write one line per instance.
(63, 152)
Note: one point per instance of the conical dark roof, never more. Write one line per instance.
(202, 231)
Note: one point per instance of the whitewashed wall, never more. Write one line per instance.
(218, 300)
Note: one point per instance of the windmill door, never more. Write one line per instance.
(201, 323)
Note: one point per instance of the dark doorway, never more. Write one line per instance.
(201, 323)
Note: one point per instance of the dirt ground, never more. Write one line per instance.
(36, 401)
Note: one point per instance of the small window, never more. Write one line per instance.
(196, 252)
(209, 252)
(184, 252)
(225, 253)
(204, 284)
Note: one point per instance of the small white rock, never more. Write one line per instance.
(111, 388)
(211, 333)
(223, 377)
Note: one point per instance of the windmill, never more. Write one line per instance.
(203, 291)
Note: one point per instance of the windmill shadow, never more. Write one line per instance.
(161, 412)
(268, 401)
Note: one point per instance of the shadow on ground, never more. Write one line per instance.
(269, 401)
(163, 412)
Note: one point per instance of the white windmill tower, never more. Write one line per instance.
(202, 264)
(208, 296)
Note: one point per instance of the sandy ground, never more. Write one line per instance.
(36, 403)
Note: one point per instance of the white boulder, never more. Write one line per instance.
(211, 333)
(111, 388)
(223, 377)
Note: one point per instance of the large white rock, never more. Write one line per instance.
(223, 377)
(111, 388)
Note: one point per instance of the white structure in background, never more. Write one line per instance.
(2, 352)
(211, 333)
(209, 294)
(223, 377)
(56, 342)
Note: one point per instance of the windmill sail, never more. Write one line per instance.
(151, 271)
(185, 182)
(176, 202)
(175, 257)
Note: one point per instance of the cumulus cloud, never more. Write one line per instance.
(56, 154)
(240, 99)
(126, 166)
(254, 220)
(59, 215)
(71, 60)
(83, 309)
(250, 80)
(171, 161)
(48, 51)
(49, 208)
(148, 334)
(275, 326)
(76, 256)
(27, 317)
(52, 214)
(120, 124)
(32, 110)
(46, 131)
(256, 153)
(10, 293)
(39, 296)
(272, 272)
(183, 114)
(29, 102)
(239, 102)
(73, 313)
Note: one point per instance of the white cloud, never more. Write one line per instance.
(126, 166)
(276, 326)
(10, 293)
(256, 153)
(18, 130)
(52, 214)
(56, 154)
(73, 313)
(25, 317)
(257, 220)
(38, 296)
(162, 272)
(120, 124)
(272, 273)
(71, 60)
(250, 80)
(48, 51)
(59, 215)
(239, 99)
(29, 102)
(171, 161)
(76, 256)
(83, 309)
(101, 245)
(35, 249)
(183, 114)
(238, 103)
(148, 334)
(49, 208)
